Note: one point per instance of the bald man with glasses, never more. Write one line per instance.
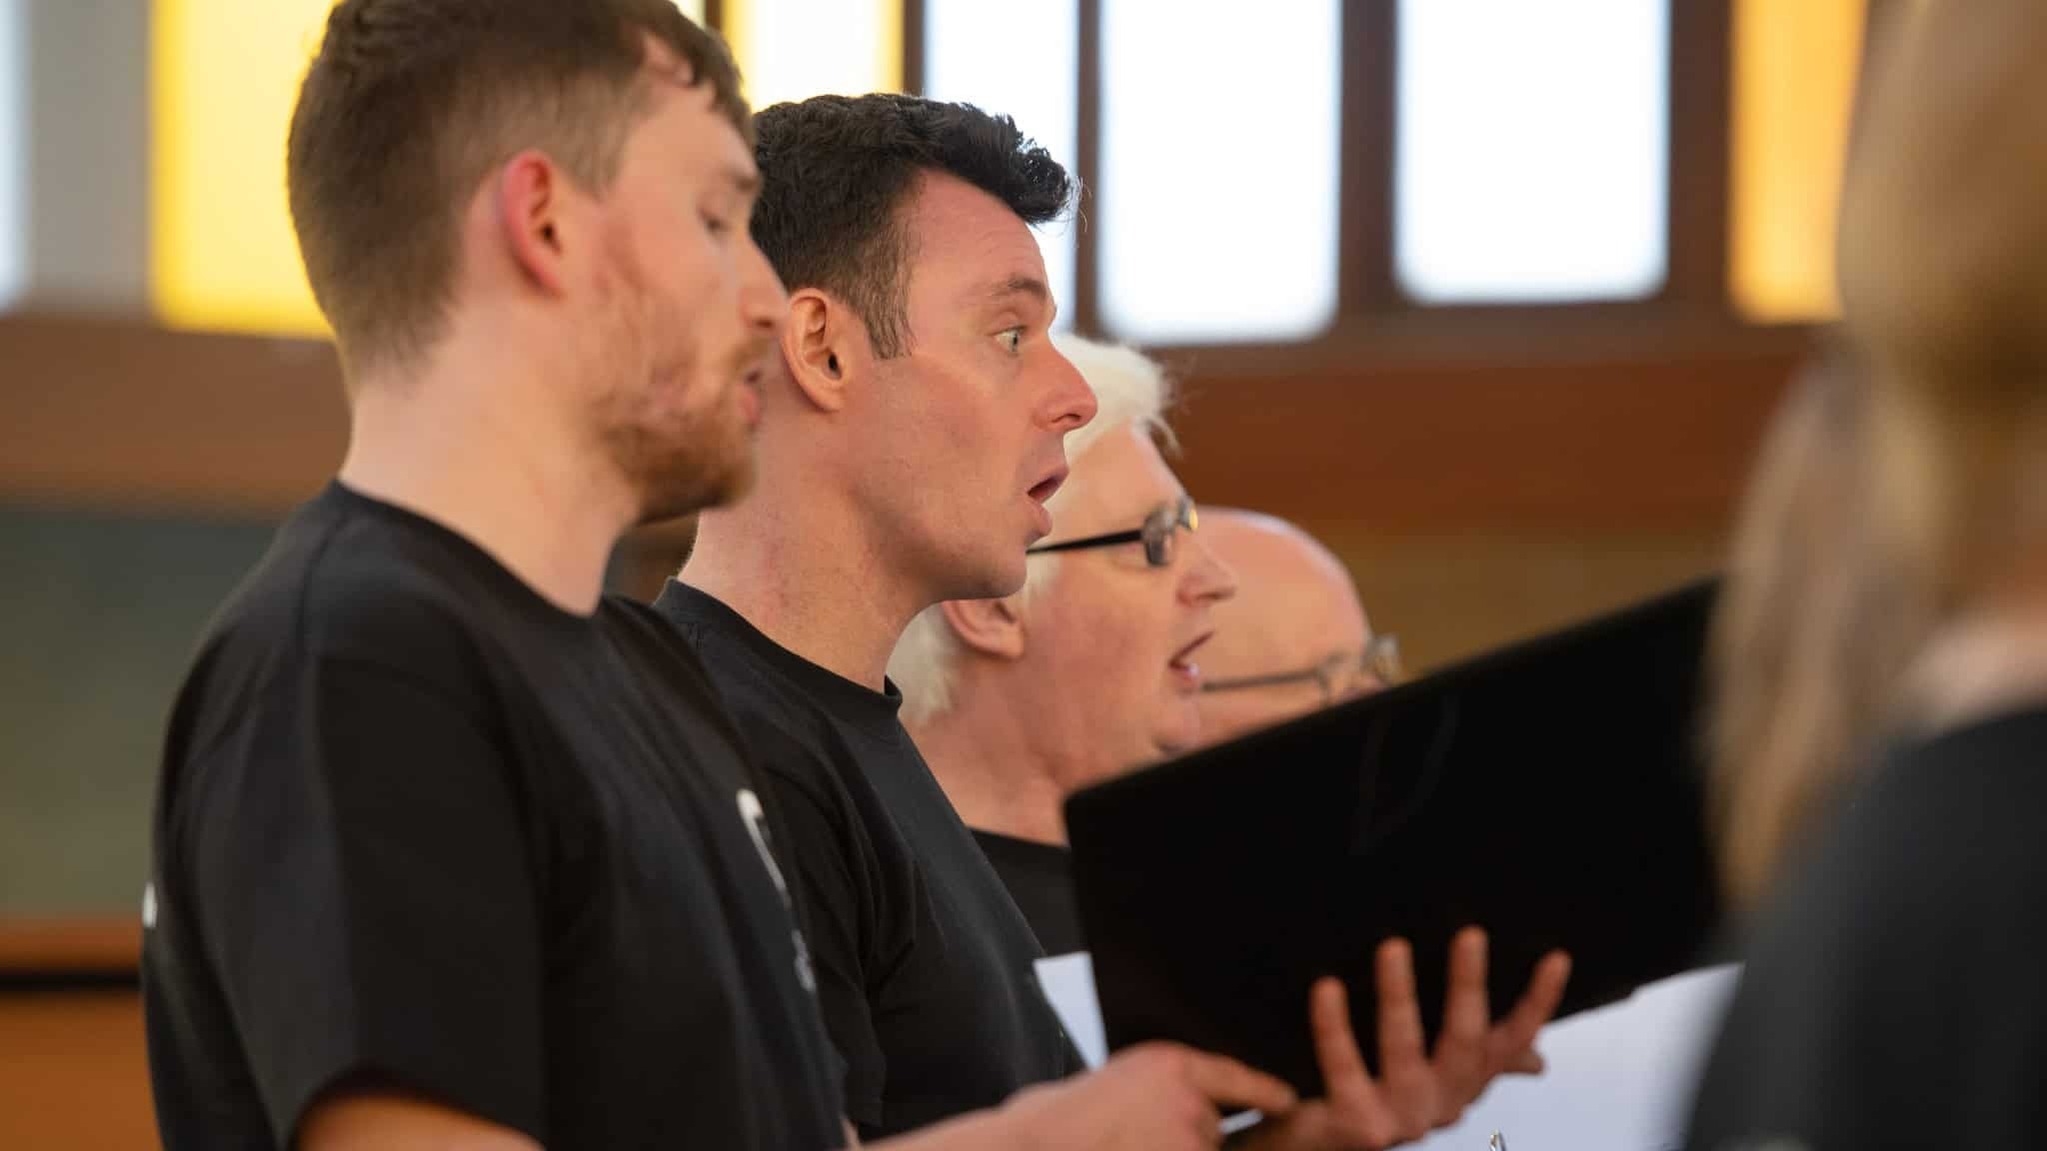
(1295, 638)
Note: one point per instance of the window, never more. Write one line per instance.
(1028, 69)
(13, 152)
(793, 49)
(1532, 146)
(1217, 197)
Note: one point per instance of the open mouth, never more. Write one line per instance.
(1183, 663)
(1044, 489)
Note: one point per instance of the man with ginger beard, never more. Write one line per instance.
(431, 865)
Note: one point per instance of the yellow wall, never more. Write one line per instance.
(225, 75)
(1795, 67)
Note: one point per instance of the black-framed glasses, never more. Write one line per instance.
(1341, 676)
(1160, 529)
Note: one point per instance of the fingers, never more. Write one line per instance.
(1400, 1013)
(1408, 1086)
(1516, 1033)
(1231, 1084)
(1336, 1047)
(1463, 1047)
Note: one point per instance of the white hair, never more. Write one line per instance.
(1131, 391)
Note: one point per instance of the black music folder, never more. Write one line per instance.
(1549, 792)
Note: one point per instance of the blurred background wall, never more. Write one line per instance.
(1494, 296)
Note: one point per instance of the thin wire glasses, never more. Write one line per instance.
(1160, 529)
(1341, 676)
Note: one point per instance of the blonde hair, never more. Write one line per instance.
(1131, 391)
(1943, 261)
(1883, 510)
(1810, 638)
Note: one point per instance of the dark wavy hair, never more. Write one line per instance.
(837, 171)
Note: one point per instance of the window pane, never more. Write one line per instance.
(1218, 198)
(1531, 156)
(13, 152)
(1795, 67)
(795, 49)
(225, 74)
(1026, 69)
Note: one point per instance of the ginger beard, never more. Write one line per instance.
(677, 418)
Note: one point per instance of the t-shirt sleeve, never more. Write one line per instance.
(353, 849)
(830, 896)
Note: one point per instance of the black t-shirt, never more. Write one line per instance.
(1039, 877)
(419, 829)
(1896, 992)
(924, 966)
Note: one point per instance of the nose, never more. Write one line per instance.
(763, 304)
(1208, 580)
(1069, 403)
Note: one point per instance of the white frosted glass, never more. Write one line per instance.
(1028, 69)
(13, 152)
(1532, 150)
(1218, 199)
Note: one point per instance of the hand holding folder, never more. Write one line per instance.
(1549, 793)
(1418, 1089)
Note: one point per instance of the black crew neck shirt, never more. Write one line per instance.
(924, 965)
(1039, 877)
(417, 829)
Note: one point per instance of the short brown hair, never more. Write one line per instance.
(411, 103)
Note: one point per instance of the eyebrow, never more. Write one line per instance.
(1022, 286)
(1030, 286)
(745, 181)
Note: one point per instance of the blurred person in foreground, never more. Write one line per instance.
(1896, 985)
(1094, 667)
(1294, 639)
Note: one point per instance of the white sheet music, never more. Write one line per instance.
(1069, 982)
(1619, 1079)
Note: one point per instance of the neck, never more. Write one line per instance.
(989, 771)
(799, 563)
(1988, 660)
(474, 443)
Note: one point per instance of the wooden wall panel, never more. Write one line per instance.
(73, 1073)
(1620, 439)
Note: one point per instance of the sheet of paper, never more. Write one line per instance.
(1620, 1078)
(1069, 983)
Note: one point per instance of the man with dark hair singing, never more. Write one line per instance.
(911, 432)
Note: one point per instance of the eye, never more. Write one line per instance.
(1011, 339)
